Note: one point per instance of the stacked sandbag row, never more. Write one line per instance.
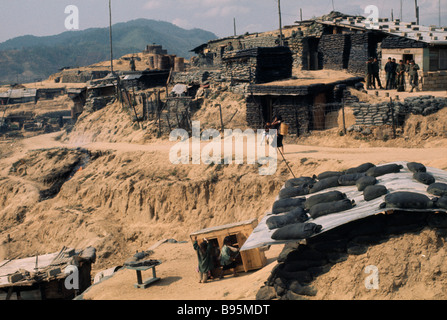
(382, 113)
(424, 105)
(334, 51)
(299, 263)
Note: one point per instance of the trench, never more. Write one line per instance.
(66, 175)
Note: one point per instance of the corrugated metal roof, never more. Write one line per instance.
(410, 30)
(19, 93)
(394, 182)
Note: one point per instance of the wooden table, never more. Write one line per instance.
(147, 282)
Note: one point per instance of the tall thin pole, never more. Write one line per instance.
(400, 10)
(416, 11)
(333, 7)
(110, 34)
(280, 24)
(234, 25)
(301, 14)
(439, 9)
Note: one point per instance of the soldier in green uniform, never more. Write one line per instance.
(400, 72)
(414, 77)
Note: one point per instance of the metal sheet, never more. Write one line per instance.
(402, 181)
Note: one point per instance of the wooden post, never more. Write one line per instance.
(169, 123)
(221, 119)
(343, 111)
(392, 118)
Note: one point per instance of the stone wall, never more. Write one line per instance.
(436, 80)
(334, 50)
(76, 76)
(295, 112)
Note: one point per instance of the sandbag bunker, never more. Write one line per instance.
(307, 206)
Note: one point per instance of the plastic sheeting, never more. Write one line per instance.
(394, 182)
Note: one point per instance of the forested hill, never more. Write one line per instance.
(28, 58)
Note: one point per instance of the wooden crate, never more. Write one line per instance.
(251, 259)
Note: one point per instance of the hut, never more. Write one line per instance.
(238, 233)
(46, 277)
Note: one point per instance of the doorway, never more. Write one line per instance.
(407, 57)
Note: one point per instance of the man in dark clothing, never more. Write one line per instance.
(205, 259)
(132, 64)
(414, 77)
(375, 73)
(389, 72)
(368, 73)
(393, 74)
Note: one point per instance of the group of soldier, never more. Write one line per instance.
(395, 74)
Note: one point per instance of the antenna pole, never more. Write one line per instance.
(400, 10)
(234, 25)
(110, 34)
(280, 24)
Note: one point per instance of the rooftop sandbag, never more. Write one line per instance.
(365, 181)
(438, 189)
(284, 205)
(442, 202)
(385, 169)
(278, 221)
(296, 231)
(291, 192)
(325, 184)
(323, 197)
(299, 182)
(416, 167)
(407, 200)
(329, 174)
(350, 179)
(424, 177)
(373, 192)
(361, 168)
(325, 208)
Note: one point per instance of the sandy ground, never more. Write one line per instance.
(177, 271)
(131, 196)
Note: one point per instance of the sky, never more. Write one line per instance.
(48, 17)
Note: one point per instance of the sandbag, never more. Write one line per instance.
(297, 182)
(284, 205)
(324, 184)
(373, 192)
(360, 169)
(323, 197)
(407, 200)
(382, 170)
(416, 167)
(292, 192)
(296, 231)
(294, 216)
(329, 174)
(424, 177)
(365, 181)
(442, 203)
(349, 179)
(438, 189)
(325, 208)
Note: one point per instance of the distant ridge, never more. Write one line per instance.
(29, 57)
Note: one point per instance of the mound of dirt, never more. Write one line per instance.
(408, 267)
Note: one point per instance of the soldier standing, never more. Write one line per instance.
(375, 73)
(368, 73)
(400, 71)
(414, 77)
